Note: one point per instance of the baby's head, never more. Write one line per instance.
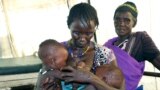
(53, 54)
(110, 75)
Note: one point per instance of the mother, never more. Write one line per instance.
(83, 22)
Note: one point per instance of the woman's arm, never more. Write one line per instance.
(100, 85)
(70, 74)
(113, 63)
(156, 62)
(111, 75)
(150, 50)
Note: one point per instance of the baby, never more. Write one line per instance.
(53, 56)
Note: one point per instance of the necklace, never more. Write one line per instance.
(85, 51)
(78, 53)
(123, 44)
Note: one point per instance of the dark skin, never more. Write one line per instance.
(47, 81)
(113, 76)
(81, 39)
(81, 36)
(85, 62)
(53, 57)
(124, 22)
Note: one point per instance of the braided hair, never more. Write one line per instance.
(83, 12)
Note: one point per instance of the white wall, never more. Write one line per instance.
(106, 9)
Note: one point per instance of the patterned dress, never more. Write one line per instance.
(102, 56)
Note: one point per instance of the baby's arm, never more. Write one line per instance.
(47, 80)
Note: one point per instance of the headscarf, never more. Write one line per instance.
(128, 7)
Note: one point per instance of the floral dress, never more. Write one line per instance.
(103, 55)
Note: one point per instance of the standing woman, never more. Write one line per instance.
(132, 49)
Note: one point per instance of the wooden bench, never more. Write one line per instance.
(19, 71)
(18, 80)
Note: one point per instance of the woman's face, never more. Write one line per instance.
(123, 23)
(82, 32)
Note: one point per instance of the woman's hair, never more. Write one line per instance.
(83, 11)
(128, 7)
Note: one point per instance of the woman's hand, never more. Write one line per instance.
(57, 74)
(69, 74)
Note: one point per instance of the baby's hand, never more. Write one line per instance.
(80, 65)
(47, 81)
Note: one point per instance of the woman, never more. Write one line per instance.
(132, 49)
(82, 22)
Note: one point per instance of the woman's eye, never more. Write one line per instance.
(117, 19)
(89, 33)
(76, 33)
(84, 33)
(127, 20)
